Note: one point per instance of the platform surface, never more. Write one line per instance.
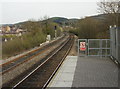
(95, 72)
(86, 72)
(65, 74)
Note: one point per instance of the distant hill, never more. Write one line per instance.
(101, 17)
(6, 24)
(64, 21)
(59, 20)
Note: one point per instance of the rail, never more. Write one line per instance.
(57, 52)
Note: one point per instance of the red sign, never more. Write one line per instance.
(82, 46)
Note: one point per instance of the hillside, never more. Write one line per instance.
(64, 21)
(100, 17)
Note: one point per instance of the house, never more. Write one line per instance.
(19, 30)
(5, 29)
(8, 29)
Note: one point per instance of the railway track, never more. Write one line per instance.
(26, 57)
(42, 72)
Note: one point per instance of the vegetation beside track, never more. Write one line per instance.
(90, 28)
(35, 35)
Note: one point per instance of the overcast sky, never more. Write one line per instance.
(14, 11)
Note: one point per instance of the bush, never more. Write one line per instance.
(18, 45)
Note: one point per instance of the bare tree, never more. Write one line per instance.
(111, 8)
(108, 6)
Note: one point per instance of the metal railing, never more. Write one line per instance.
(102, 47)
(94, 47)
(98, 47)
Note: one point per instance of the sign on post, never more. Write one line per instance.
(82, 46)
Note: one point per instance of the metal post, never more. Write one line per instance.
(110, 40)
(106, 48)
(101, 48)
(88, 47)
(55, 34)
(116, 43)
(78, 48)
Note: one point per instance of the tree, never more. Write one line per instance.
(111, 8)
(88, 28)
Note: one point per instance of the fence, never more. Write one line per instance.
(101, 47)
(94, 47)
(115, 42)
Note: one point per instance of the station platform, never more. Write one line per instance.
(86, 72)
